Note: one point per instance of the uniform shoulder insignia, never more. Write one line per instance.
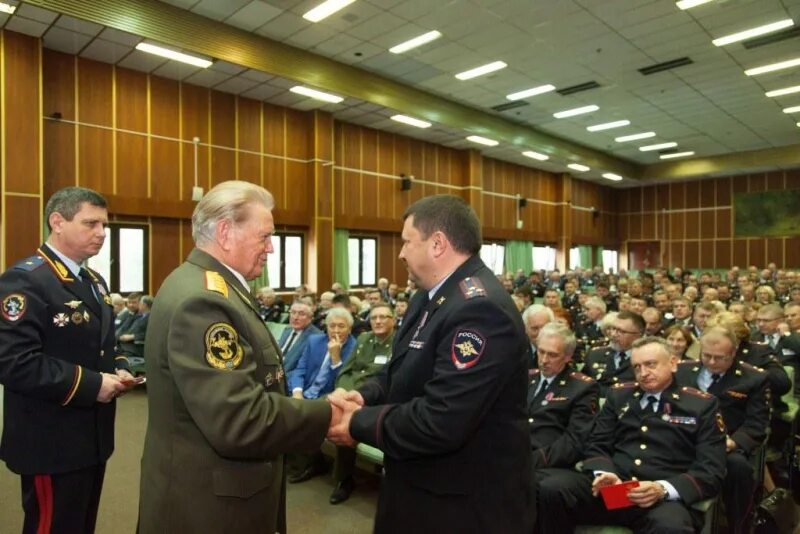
(472, 288)
(215, 282)
(223, 350)
(696, 392)
(745, 365)
(29, 264)
(762, 343)
(687, 362)
(624, 385)
(581, 376)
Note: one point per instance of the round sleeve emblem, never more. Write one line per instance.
(223, 350)
(13, 307)
(467, 348)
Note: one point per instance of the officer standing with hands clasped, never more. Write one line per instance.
(448, 410)
(58, 368)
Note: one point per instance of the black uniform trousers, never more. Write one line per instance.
(63, 502)
(566, 500)
(738, 488)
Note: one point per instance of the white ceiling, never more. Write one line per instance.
(709, 107)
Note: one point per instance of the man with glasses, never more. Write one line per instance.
(668, 438)
(768, 319)
(743, 395)
(372, 352)
(535, 317)
(295, 338)
(611, 365)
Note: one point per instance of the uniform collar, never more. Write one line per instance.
(73, 267)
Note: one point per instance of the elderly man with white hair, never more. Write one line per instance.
(534, 318)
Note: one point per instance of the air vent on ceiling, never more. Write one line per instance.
(510, 105)
(578, 88)
(771, 38)
(667, 65)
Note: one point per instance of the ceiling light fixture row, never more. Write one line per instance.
(7, 8)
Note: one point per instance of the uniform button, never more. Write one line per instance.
(102, 353)
(637, 461)
(644, 429)
(616, 379)
(530, 420)
(643, 446)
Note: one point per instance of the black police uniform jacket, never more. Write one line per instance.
(762, 356)
(561, 417)
(683, 444)
(743, 394)
(449, 412)
(56, 338)
(599, 364)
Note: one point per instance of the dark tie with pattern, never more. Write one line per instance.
(543, 385)
(652, 404)
(86, 280)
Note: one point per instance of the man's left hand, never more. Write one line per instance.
(647, 494)
(340, 433)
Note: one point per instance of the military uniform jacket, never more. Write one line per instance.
(599, 364)
(762, 356)
(561, 418)
(370, 356)
(449, 409)
(219, 420)
(743, 394)
(56, 338)
(684, 443)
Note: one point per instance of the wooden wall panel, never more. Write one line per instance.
(165, 172)
(792, 179)
(132, 177)
(24, 214)
(95, 167)
(194, 121)
(22, 127)
(369, 162)
(691, 251)
(223, 137)
(723, 254)
(756, 252)
(793, 252)
(165, 248)
(248, 137)
(275, 145)
(59, 158)
(774, 251)
(740, 252)
(707, 227)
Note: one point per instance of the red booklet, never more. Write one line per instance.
(616, 495)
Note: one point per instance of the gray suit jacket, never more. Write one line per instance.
(291, 358)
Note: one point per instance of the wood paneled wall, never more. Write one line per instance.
(694, 222)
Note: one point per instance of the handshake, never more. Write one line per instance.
(343, 404)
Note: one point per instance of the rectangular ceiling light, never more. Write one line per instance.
(689, 4)
(7, 8)
(789, 63)
(415, 42)
(784, 91)
(608, 126)
(578, 167)
(318, 95)
(533, 91)
(173, 54)
(753, 32)
(575, 111)
(677, 155)
(480, 71)
(793, 109)
(635, 137)
(411, 121)
(326, 9)
(536, 155)
(661, 146)
(482, 140)
(613, 177)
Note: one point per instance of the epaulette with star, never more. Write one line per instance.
(696, 392)
(30, 263)
(624, 385)
(745, 365)
(580, 376)
(215, 282)
(472, 288)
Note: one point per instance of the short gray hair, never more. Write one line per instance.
(595, 302)
(68, 202)
(226, 201)
(339, 313)
(652, 340)
(560, 331)
(535, 309)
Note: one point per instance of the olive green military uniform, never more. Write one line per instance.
(219, 420)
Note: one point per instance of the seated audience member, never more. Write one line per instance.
(589, 333)
(372, 352)
(611, 364)
(603, 291)
(300, 292)
(325, 304)
(338, 289)
(702, 313)
(524, 292)
(372, 297)
(400, 309)
(561, 402)
(637, 304)
(271, 308)
(131, 341)
(669, 438)
(570, 299)
(681, 312)
(652, 321)
(118, 304)
(790, 334)
(767, 319)
(383, 289)
(765, 295)
(552, 299)
(662, 303)
(681, 342)
(534, 318)
(519, 302)
(124, 319)
(294, 339)
(563, 316)
(743, 394)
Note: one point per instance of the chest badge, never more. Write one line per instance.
(61, 320)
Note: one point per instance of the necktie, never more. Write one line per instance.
(774, 341)
(288, 344)
(543, 385)
(714, 379)
(652, 403)
(86, 280)
(619, 359)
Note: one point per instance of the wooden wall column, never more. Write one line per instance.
(473, 180)
(320, 233)
(565, 222)
(20, 147)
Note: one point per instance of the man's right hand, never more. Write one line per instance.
(351, 396)
(604, 479)
(110, 387)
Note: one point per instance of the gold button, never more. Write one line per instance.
(643, 446)
(530, 420)
(637, 461)
(102, 353)
(644, 429)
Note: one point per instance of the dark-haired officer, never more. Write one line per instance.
(611, 364)
(58, 367)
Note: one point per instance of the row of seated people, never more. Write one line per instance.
(131, 315)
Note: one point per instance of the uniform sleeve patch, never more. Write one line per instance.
(223, 350)
(215, 282)
(468, 346)
(472, 288)
(13, 307)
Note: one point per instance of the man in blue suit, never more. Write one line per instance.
(294, 339)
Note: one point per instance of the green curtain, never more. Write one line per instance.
(599, 261)
(519, 255)
(585, 256)
(341, 257)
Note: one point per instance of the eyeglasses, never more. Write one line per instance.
(715, 358)
(300, 313)
(380, 317)
(762, 320)
(621, 331)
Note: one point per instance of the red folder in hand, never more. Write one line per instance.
(616, 495)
